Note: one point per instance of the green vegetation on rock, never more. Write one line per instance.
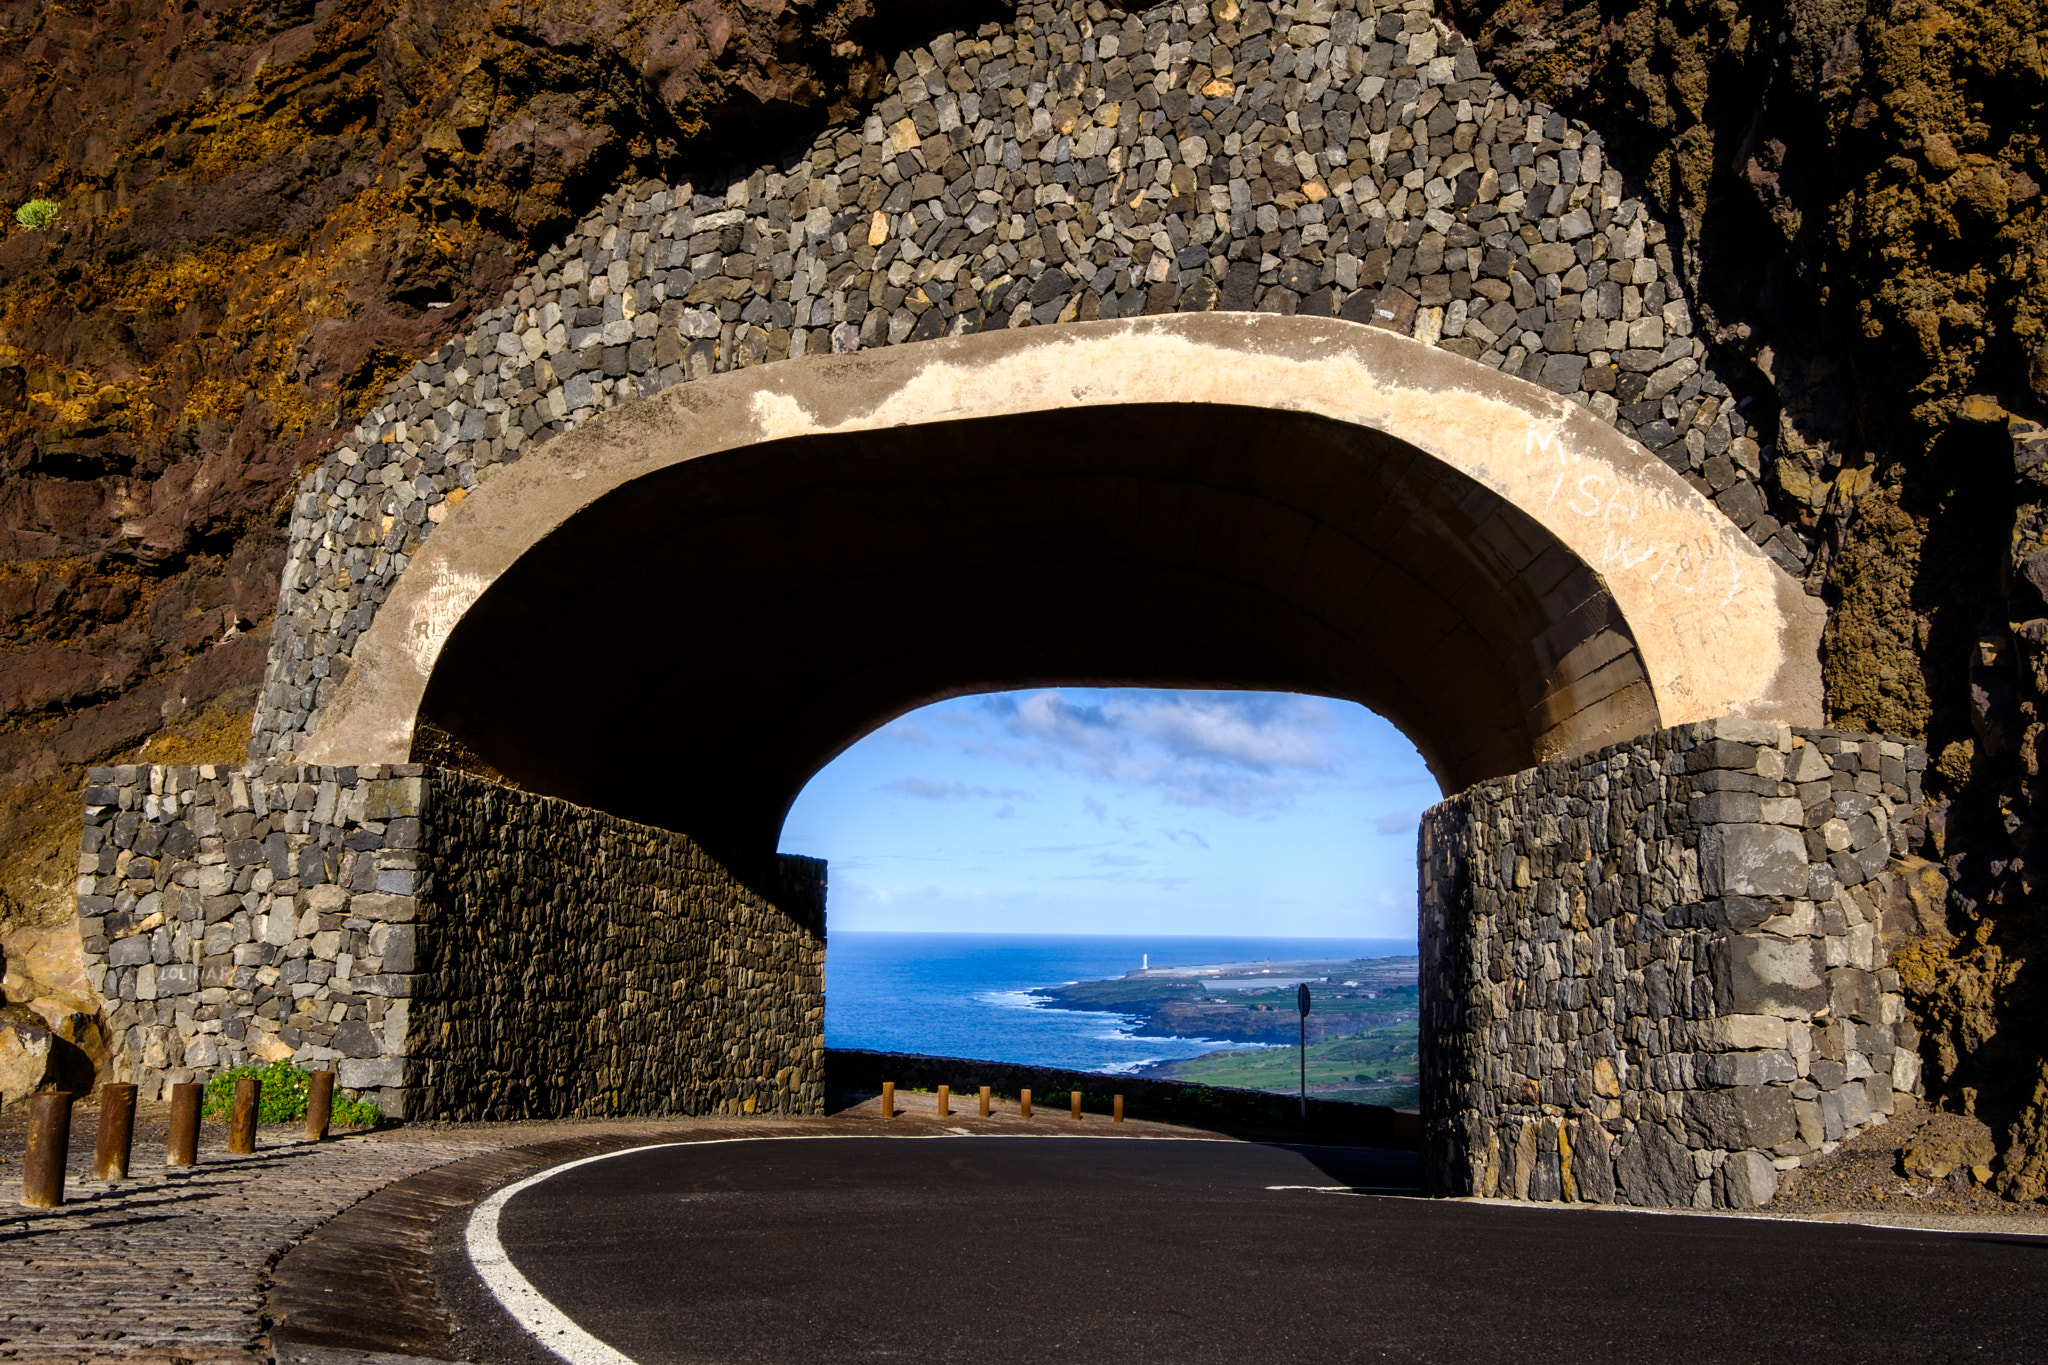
(37, 214)
(285, 1092)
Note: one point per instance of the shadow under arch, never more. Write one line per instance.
(691, 648)
(680, 610)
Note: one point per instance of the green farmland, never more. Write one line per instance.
(1377, 1066)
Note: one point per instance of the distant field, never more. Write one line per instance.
(1377, 1066)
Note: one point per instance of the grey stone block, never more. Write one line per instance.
(401, 949)
(379, 906)
(1735, 912)
(1765, 974)
(1853, 994)
(1752, 860)
(1748, 1068)
(1654, 1169)
(1726, 808)
(1747, 1180)
(354, 1039)
(178, 978)
(1855, 1102)
(353, 1073)
(1592, 1162)
(129, 952)
(1748, 1116)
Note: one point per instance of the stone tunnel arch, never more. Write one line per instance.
(738, 578)
(1082, 288)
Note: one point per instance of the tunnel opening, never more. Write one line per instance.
(1128, 882)
(689, 649)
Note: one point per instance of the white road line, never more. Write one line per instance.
(530, 1308)
(556, 1330)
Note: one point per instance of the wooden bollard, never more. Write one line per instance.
(242, 1127)
(984, 1101)
(181, 1148)
(319, 1106)
(116, 1137)
(1116, 1109)
(1074, 1099)
(1024, 1104)
(945, 1101)
(49, 1143)
(888, 1099)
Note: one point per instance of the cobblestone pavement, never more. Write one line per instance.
(169, 1265)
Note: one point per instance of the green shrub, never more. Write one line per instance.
(285, 1089)
(37, 213)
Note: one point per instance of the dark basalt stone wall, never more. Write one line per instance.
(578, 964)
(1659, 975)
(451, 948)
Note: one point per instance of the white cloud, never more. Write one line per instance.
(928, 790)
(1247, 753)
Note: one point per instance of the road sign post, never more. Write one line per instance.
(1301, 998)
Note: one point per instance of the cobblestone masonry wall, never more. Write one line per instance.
(1306, 157)
(580, 964)
(234, 915)
(538, 959)
(1657, 973)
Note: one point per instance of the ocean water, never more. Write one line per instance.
(964, 995)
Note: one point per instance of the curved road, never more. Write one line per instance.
(1119, 1250)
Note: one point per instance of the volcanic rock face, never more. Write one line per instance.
(1859, 191)
(266, 211)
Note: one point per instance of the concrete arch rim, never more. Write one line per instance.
(1721, 629)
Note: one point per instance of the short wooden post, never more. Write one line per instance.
(945, 1101)
(1024, 1104)
(1074, 1099)
(116, 1137)
(49, 1143)
(888, 1099)
(319, 1106)
(984, 1101)
(242, 1127)
(1116, 1109)
(181, 1148)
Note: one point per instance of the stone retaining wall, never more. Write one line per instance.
(1308, 157)
(451, 948)
(233, 916)
(577, 963)
(1656, 975)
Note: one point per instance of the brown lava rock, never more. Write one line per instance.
(267, 211)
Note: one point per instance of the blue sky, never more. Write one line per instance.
(1118, 811)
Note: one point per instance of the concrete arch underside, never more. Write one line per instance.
(746, 574)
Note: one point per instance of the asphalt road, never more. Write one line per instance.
(1091, 1249)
